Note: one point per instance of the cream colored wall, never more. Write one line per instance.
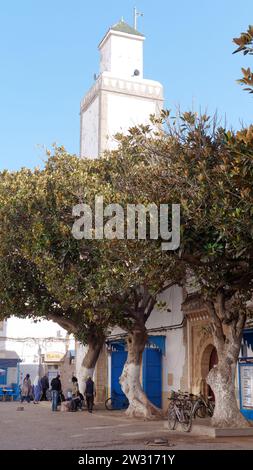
(105, 56)
(121, 54)
(123, 112)
(113, 105)
(127, 55)
(90, 129)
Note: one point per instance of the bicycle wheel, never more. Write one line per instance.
(210, 410)
(188, 405)
(200, 411)
(109, 404)
(172, 418)
(187, 421)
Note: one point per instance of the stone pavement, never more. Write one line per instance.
(37, 427)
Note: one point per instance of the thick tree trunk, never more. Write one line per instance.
(95, 344)
(139, 405)
(221, 379)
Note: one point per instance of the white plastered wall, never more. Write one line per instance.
(90, 129)
(122, 55)
(124, 111)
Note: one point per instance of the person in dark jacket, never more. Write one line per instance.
(44, 387)
(56, 390)
(90, 392)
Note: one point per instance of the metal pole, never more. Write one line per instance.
(135, 18)
(18, 371)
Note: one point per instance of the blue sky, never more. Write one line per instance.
(48, 55)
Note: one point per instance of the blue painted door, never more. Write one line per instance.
(118, 361)
(152, 375)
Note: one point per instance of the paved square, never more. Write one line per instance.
(37, 427)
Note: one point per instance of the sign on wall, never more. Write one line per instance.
(53, 357)
(246, 376)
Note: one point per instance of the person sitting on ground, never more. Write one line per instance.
(69, 395)
(81, 398)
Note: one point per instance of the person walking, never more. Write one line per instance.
(44, 386)
(56, 390)
(90, 392)
(26, 389)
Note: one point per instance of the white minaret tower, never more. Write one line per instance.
(121, 97)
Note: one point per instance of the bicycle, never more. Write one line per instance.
(188, 399)
(203, 407)
(180, 410)
(116, 402)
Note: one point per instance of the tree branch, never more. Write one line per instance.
(65, 323)
(218, 333)
(168, 286)
(150, 307)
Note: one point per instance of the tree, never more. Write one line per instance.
(45, 272)
(87, 285)
(25, 295)
(148, 271)
(245, 43)
(97, 283)
(209, 171)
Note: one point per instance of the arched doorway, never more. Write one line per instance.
(208, 361)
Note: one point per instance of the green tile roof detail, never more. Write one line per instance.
(125, 28)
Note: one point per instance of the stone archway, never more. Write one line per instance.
(200, 345)
(209, 359)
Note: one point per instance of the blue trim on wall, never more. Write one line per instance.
(5, 363)
(118, 345)
(248, 337)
